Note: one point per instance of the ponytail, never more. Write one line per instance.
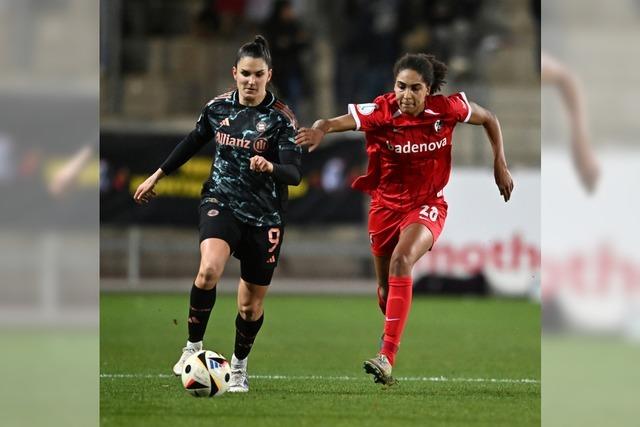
(258, 48)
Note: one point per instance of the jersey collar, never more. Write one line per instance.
(268, 100)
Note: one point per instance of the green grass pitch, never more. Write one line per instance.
(462, 362)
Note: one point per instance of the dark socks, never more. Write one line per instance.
(201, 304)
(246, 332)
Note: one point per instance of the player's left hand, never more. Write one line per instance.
(503, 180)
(260, 164)
(309, 137)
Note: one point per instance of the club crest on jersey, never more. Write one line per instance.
(213, 212)
(225, 122)
(261, 126)
(437, 126)
(366, 109)
(260, 145)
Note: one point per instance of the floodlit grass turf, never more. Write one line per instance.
(49, 377)
(328, 337)
(590, 381)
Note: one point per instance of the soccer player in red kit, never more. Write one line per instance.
(408, 141)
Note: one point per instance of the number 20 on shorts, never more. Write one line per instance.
(429, 213)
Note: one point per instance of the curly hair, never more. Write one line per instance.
(433, 72)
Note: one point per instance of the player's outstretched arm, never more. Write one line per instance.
(186, 149)
(484, 117)
(64, 179)
(145, 191)
(555, 73)
(312, 137)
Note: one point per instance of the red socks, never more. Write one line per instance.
(397, 311)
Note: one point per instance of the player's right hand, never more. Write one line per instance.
(503, 180)
(587, 165)
(145, 191)
(309, 137)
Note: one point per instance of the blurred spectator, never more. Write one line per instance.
(143, 18)
(453, 31)
(257, 12)
(288, 42)
(222, 17)
(230, 13)
(333, 175)
(372, 33)
(208, 20)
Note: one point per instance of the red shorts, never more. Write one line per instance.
(386, 224)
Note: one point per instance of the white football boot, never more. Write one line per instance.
(239, 382)
(191, 349)
(380, 368)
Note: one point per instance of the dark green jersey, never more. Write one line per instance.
(239, 133)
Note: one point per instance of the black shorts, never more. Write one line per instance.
(257, 248)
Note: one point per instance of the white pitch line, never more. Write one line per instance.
(347, 378)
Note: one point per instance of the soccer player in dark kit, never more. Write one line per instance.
(243, 200)
(408, 140)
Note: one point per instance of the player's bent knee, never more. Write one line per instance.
(250, 312)
(400, 265)
(208, 277)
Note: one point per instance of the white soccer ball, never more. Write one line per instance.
(206, 374)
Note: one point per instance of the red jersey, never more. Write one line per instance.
(409, 157)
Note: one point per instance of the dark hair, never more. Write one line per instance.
(432, 71)
(258, 48)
